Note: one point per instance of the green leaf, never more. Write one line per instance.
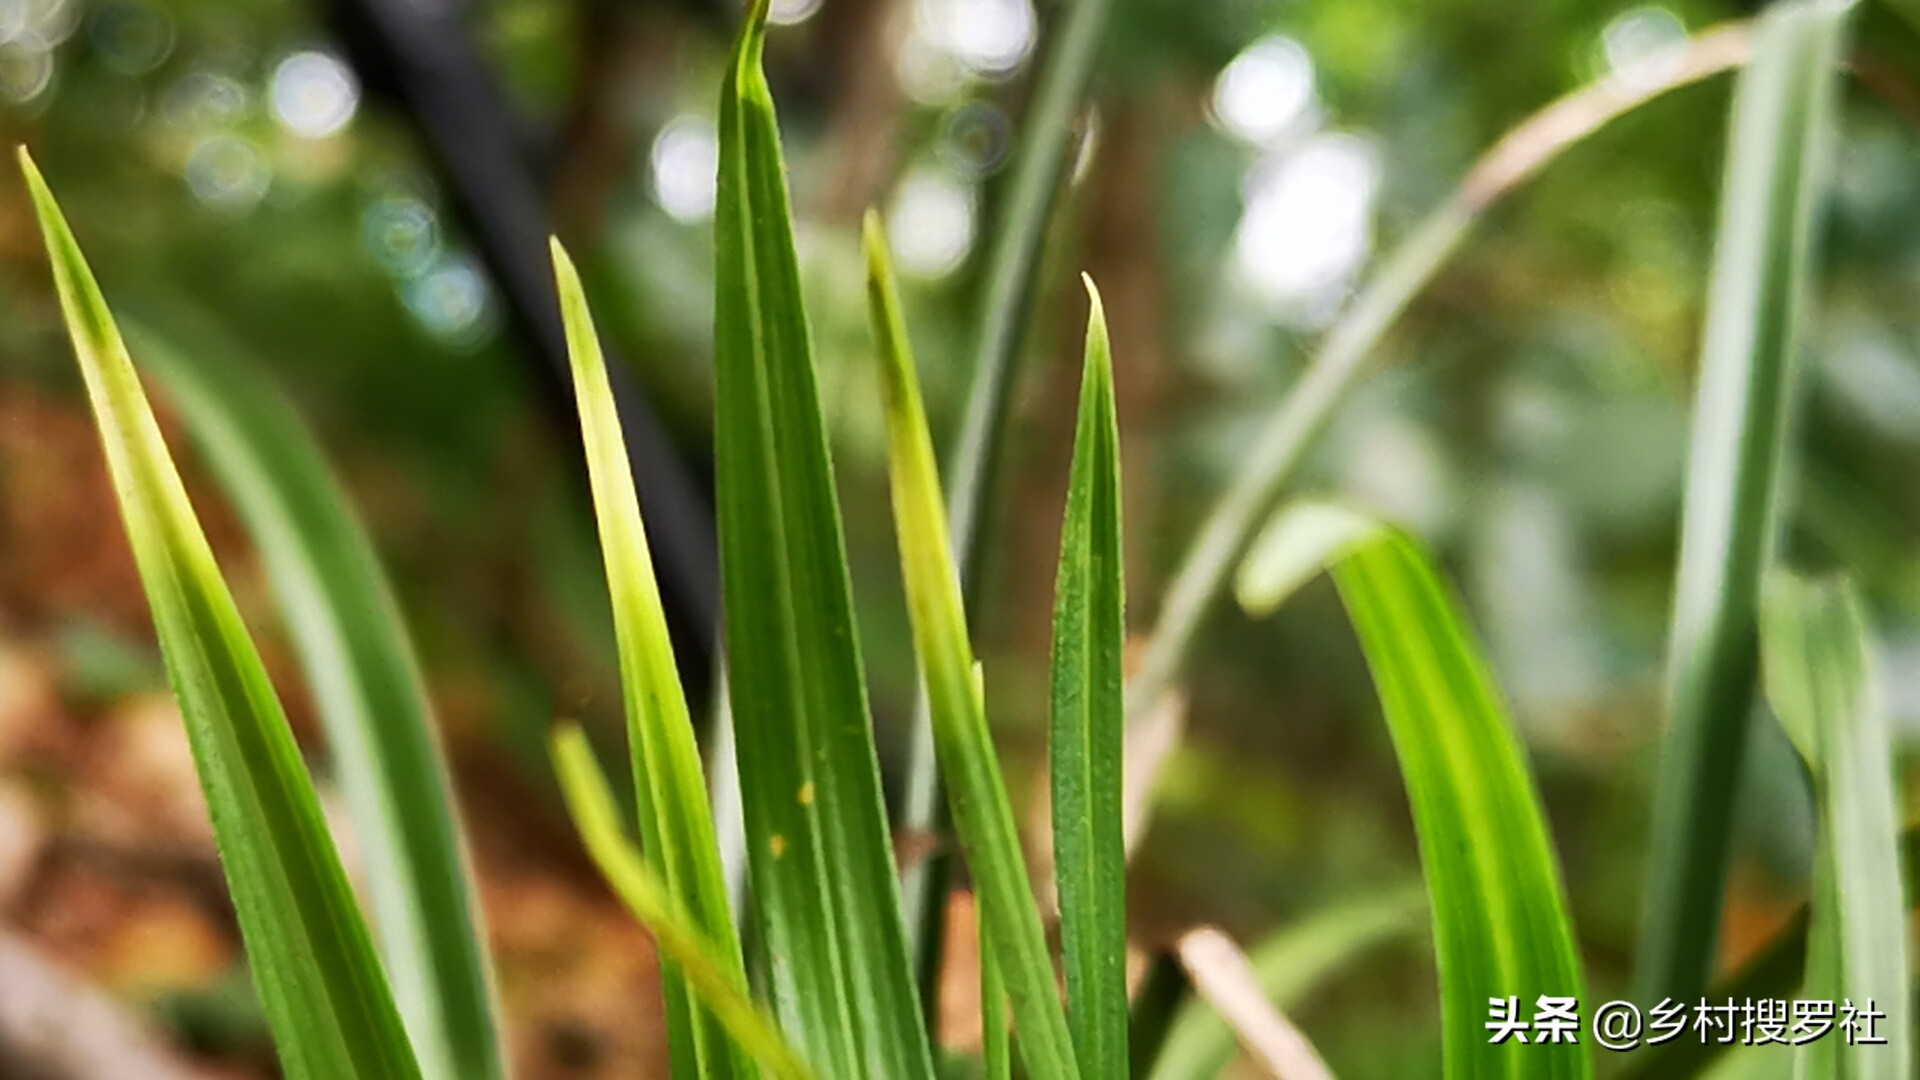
(1775, 179)
(1035, 186)
(1290, 965)
(977, 794)
(1822, 682)
(676, 823)
(325, 996)
(352, 644)
(819, 853)
(996, 1050)
(710, 971)
(1500, 924)
(1089, 723)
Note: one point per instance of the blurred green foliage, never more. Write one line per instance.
(1531, 426)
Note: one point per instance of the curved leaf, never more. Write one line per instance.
(1500, 924)
(710, 970)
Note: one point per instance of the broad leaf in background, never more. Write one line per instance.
(1775, 179)
(710, 971)
(1088, 723)
(1500, 924)
(325, 996)
(676, 823)
(359, 665)
(977, 794)
(1289, 965)
(819, 852)
(1821, 681)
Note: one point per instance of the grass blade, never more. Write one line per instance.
(819, 851)
(325, 996)
(1782, 130)
(1500, 925)
(977, 794)
(1088, 724)
(710, 970)
(1821, 681)
(676, 822)
(1036, 181)
(352, 644)
(1288, 967)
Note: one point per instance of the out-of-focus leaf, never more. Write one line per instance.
(819, 851)
(710, 971)
(1288, 966)
(1088, 723)
(977, 793)
(1222, 976)
(320, 982)
(352, 643)
(1775, 179)
(1500, 924)
(1821, 681)
(676, 823)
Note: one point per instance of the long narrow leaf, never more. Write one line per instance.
(1821, 681)
(352, 644)
(819, 852)
(676, 822)
(1088, 724)
(977, 794)
(1782, 131)
(1500, 925)
(710, 970)
(320, 982)
(1035, 186)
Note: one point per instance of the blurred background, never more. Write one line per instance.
(348, 196)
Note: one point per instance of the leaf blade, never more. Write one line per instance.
(352, 644)
(1823, 684)
(1779, 146)
(1088, 723)
(1500, 925)
(819, 853)
(706, 966)
(977, 794)
(325, 995)
(675, 819)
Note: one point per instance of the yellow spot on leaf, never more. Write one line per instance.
(806, 793)
(778, 844)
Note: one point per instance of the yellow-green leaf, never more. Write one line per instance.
(710, 971)
(676, 822)
(325, 996)
(976, 792)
